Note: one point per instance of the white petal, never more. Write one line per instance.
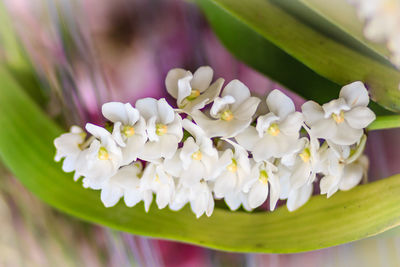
(205, 98)
(257, 195)
(147, 199)
(97, 131)
(359, 117)
(312, 112)
(163, 196)
(346, 135)
(238, 90)
(248, 138)
(189, 147)
(147, 107)
(202, 78)
(220, 104)
(233, 200)
(328, 184)
(115, 111)
(280, 104)
(355, 94)
(165, 112)
(224, 184)
(210, 206)
(335, 107)
(275, 191)
(298, 198)
(173, 166)
(300, 175)
(175, 127)
(184, 89)
(246, 109)
(264, 121)
(292, 124)
(110, 195)
(171, 81)
(324, 128)
(352, 175)
(134, 146)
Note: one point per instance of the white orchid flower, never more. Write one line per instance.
(101, 160)
(195, 160)
(162, 184)
(68, 146)
(305, 162)
(231, 171)
(193, 91)
(344, 164)
(295, 197)
(126, 183)
(262, 174)
(164, 128)
(231, 113)
(129, 129)
(277, 132)
(341, 120)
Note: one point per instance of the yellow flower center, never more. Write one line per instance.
(233, 166)
(305, 155)
(161, 129)
(103, 154)
(227, 115)
(128, 131)
(157, 179)
(263, 178)
(197, 155)
(193, 95)
(338, 118)
(273, 129)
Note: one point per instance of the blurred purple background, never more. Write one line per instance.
(89, 52)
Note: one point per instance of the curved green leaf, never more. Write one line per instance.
(239, 23)
(343, 15)
(385, 122)
(26, 147)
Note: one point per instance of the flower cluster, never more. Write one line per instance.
(218, 144)
(382, 23)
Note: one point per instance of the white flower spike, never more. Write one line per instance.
(272, 159)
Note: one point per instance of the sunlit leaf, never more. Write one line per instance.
(255, 31)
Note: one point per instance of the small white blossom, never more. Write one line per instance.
(129, 129)
(68, 146)
(231, 172)
(341, 120)
(231, 113)
(277, 132)
(101, 160)
(193, 91)
(126, 183)
(262, 174)
(162, 184)
(164, 128)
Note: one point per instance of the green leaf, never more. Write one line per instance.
(385, 122)
(265, 36)
(26, 148)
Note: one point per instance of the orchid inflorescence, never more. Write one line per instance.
(224, 145)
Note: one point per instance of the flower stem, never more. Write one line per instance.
(385, 122)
